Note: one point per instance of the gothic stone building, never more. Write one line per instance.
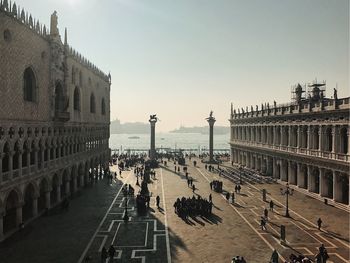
(54, 118)
(304, 143)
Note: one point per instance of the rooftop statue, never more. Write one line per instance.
(335, 95)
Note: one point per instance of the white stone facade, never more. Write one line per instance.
(54, 119)
(305, 143)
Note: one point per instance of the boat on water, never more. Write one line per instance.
(134, 137)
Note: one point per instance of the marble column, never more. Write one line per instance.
(309, 179)
(300, 175)
(309, 140)
(337, 190)
(323, 183)
(211, 120)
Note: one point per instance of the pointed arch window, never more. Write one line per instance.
(92, 103)
(103, 107)
(29, 85)
(76, 99)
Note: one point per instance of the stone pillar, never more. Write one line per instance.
(334, 138)
(290, 137)
(281, 135)
(19, 215)
(20, 163)
(337, 190)
(211, 120)
(10, 164)
(47, 200)
(152, 151)
(309, 179)
(309, 133)
(35, 207)
(290, 173)
(321, 135)
(299, 137)
(274, 167)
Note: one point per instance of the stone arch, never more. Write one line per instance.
(12, 219)
(43, 189)
(55, 194)
(316, 136)
(329, 139)
(29, 85)
(315, 180)
(30, 194)
(344, 138)
(33, 149)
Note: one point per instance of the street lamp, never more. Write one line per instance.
(287, 191)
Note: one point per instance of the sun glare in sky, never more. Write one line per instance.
(182, 59)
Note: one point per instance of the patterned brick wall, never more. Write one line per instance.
(26, 48)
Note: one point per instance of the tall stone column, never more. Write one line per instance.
(334, 138)
(309, 139)
(323, 183)
(211, 120)
(152, 152)
(300, 176)
(20, 162)
(321, 135)
(336, 187)
(309, 179)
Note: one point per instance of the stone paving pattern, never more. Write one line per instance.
(232, 230)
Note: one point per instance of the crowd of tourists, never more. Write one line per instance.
(192, 207)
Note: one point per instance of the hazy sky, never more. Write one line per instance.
(182, 58)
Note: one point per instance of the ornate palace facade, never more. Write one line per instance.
(305, 143)
(54, 118)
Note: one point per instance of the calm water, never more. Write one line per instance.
(193, 141)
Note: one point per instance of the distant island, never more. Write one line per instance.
(144, 128)
(202, 130)
(129, 127)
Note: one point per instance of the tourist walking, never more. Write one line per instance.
(266, 214)
(271, 205)
(104, 255)
(263, 223)
(319, 223)
(210, 198)
(227, 196)
(158, 201)
(233, 198)
(274, 257)
(193, 188)
(111, 252)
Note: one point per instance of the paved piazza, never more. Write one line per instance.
(95, 220)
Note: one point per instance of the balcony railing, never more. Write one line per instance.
(312, 152)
